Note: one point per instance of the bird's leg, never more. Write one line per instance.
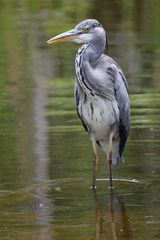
(95, 164)
(109, 161)
(110, 170)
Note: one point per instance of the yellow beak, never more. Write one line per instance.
(63, 37)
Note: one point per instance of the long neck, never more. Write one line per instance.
(80, 69)
(86, 60)
(96, 48)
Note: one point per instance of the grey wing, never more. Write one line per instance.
(115, 85)
(121, 95)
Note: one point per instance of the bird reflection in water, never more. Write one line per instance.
(114, 224)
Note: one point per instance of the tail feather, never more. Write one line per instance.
(116, 157)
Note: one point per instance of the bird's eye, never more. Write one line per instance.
(86, 29)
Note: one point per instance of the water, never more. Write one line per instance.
(45, 155)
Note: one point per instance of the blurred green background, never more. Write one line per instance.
(45, 155)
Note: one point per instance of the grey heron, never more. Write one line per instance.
(101, 93)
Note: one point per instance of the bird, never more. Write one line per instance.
(101, 93)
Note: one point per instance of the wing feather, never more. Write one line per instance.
(116, 84)
(121, 95)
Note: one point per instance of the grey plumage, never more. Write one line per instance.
(104, 79)
(101, 92)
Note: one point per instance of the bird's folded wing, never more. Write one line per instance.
(113, 85)
(122, 98)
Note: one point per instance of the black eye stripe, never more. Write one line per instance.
(87, 27)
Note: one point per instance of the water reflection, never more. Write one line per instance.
(44, 203)
(45, 156)
(112, 223)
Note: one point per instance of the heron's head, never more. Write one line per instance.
(88, 31)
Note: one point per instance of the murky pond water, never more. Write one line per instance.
(45, 155)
